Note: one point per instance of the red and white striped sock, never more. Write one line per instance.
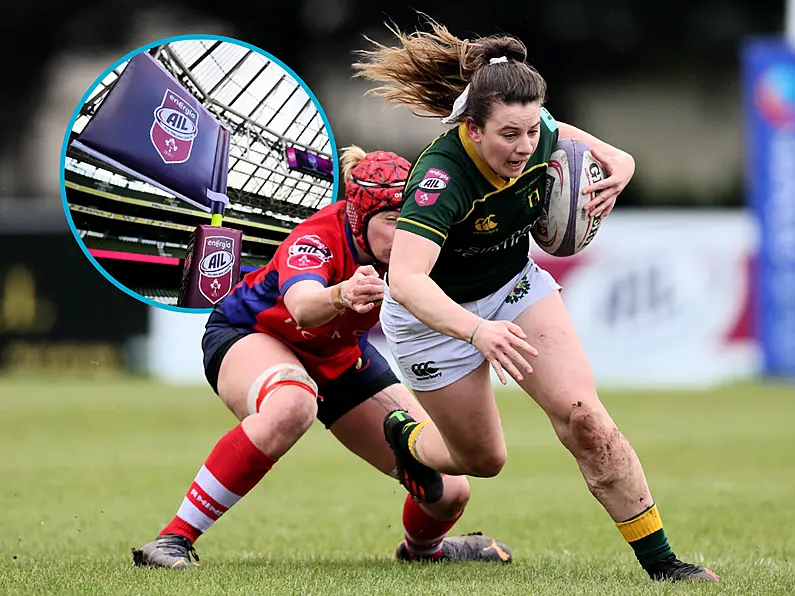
(423, 534)
(234, 467)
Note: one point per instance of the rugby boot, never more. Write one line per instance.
(469, 547)
(171, 550)
(423, 483)
(675, 570)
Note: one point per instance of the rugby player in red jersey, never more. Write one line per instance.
(289, 344)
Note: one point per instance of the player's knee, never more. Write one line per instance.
(580, 427)
(285, 419)
(487, 463)
(585, 427)
(301, 411)
(455, 498)
(287, 394)
(596, 442)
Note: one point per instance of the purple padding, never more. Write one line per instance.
(150, 125)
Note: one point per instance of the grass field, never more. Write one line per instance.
(90, 469)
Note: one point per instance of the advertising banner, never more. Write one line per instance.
(150, 126)
(769, 101)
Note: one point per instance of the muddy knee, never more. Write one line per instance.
(601, 450)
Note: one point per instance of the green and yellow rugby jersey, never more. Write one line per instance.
(481, 221)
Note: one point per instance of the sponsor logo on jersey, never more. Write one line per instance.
(174, 129)
(485, 225)
(434, 181)
(308, 252)
(425, 370)
(509, 242)
(216, 267)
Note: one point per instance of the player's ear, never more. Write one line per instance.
(474, 132)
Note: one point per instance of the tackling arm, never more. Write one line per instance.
(311, 304)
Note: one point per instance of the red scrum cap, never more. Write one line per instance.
(374, 184)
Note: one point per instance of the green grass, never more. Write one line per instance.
(89, 469)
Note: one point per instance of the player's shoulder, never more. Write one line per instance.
(445, 151)
(440, 166)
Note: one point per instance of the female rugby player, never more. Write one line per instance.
(463, 293)
(289, 344)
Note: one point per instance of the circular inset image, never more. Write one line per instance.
(188, 162)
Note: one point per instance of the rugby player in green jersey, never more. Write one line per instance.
(463, 293)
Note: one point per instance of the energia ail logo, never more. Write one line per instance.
(308, 252)
(216, 267)
(430, 187)
(174, 129)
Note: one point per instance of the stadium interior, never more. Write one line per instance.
(139, 233)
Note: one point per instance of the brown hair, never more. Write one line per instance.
(430, 69)
(349, 159)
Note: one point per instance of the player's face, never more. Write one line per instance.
(380, 233)
(509, 137)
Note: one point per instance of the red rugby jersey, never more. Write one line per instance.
(321, 249)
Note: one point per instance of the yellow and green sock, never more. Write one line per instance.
(646, 536)
(413, 431)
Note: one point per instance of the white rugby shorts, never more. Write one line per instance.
(429, 360)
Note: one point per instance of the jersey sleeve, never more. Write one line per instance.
(311, 255)
(434, 198)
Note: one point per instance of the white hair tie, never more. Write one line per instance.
(460, 104)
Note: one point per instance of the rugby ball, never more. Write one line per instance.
(563, 228)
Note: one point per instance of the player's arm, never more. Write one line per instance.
(434, 200)
(410, 285)
(312, 304)
(619, 166)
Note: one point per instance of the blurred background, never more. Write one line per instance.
(669, 279)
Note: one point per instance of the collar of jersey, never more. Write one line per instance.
(351, 244)
(484, 168)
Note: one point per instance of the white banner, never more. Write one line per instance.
(664, 299)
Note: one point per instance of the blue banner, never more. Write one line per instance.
(151, 127)
(769, 102)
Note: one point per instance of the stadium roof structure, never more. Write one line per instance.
(267, 111)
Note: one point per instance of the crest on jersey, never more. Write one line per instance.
(434, 181)
(485, 225)
(175, 126)
(216, 267)
(308, 252)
